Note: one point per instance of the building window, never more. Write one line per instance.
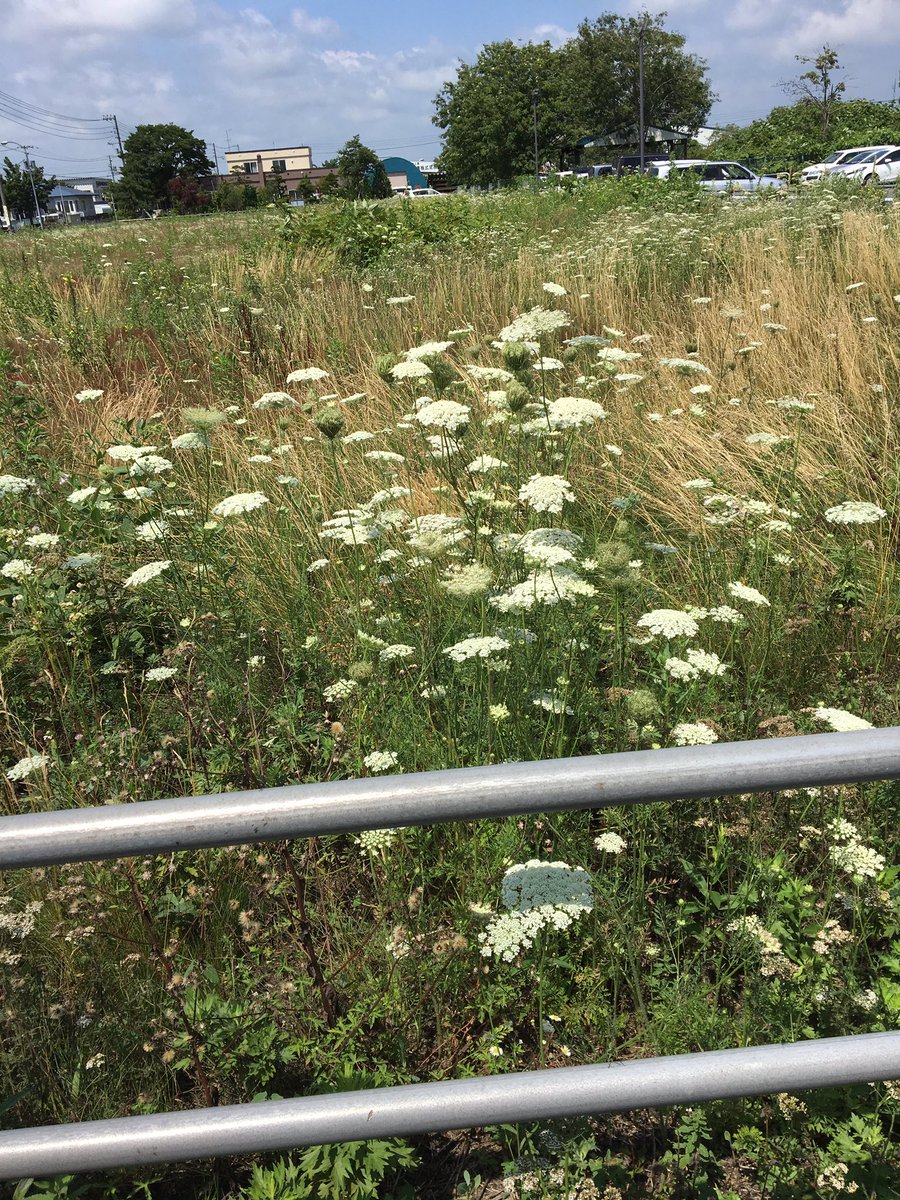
(72, 206)
(249, 168)
(279, 164)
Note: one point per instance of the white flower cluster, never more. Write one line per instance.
(854, 512)
(610, 843)
(151, 531)
(25, 766)
(486, 462)
(751, 924)
(428, 350)
(850, 855)
(375, 841)
(339, 690)
(840, 720)
(470, 579)
(684, 366)
(239, 504)
(17, 568)
(307, 375)
(410, 368)
(147, 572)
(669, 623)
(552, 704)
(274, 400)
(571, 412)
(379, 761)
(560, 586)
(397, 650)
(42, 541)
(546, 493)
(693, 734)
(741, 591)
(444, 414)
(539, 895)
(476, 647)
(694, 664)
(150, 464)
(14, 485)
(19, 924)
(535, 324)
(159, 674)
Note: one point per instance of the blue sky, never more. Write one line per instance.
(273, 73)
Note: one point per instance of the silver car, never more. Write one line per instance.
(727, 177)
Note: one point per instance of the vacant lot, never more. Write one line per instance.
(403, 487)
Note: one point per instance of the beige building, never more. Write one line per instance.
(259, 163)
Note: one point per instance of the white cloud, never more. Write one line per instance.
(316, 27)
(850, 22)
(555, 34)
(108, 18)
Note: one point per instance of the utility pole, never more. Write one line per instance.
(643, 30)
(535, 96)
(112, 117)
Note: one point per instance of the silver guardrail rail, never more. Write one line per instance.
(473, 793)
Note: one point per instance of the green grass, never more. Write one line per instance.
(222, 976)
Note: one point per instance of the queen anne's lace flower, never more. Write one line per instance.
(428, 350)
(193, 440)
(535, 324)
(571, 412)
(669, 623)
(840, 720)
(610, 843)
(486, 462)
(147, 572)
(476, 647)
(339, 690)
(559, 586)
(684, 366)
(14, 485)
(151, 464)
(240, 503)
(82, 494)
(444, 414)
(159, 674)
(26, 766)
(471, 579)
(274, 400)
(854, 512)
(741, 591)
(698, 734)
(539, 895)
(410, 368)
(694, 664)
(17, 568)
(546, 493)
(378, 761)
(307, 375)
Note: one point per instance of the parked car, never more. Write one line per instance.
(727, 177)
(883, 169)
(862, 161)
(423, 193)
(816, 171)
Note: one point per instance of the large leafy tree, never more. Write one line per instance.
(361, 172)
(600, 71)
(153, 156)
(589, 85)
(487, 113)
(17, 187)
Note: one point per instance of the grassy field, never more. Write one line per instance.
(382, 489)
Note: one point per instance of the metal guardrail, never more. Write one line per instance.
(466, 794)
(472, 793)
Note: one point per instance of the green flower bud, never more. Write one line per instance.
(330, 422)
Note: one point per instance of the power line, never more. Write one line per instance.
(46, 112)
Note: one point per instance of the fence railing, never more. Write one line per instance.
(467, 794)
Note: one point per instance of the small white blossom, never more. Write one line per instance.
(26, 766)
(147, 572)
(240, 503)
(307, 375)
(379, 761)
(854, 512)
(610, 843)
(741, 591)
(699, 734)
(546, 493)
(669, 623)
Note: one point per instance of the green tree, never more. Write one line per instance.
(792, 134)
(588, 86)
(817, 86)
(600, 70)
(487, 113)
(17, 186)
(154, 155)
(361, 172)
